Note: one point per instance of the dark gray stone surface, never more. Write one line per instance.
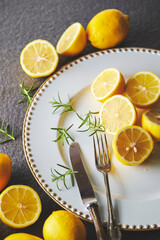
(23, 21)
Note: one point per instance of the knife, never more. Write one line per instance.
(86, 190)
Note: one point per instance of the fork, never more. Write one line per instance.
(103, 165)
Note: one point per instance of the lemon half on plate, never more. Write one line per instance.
(108, 83)
(117, 112)
(132, 145)
(143, 89)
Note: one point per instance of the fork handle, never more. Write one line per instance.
(112, 226)
(93, 209)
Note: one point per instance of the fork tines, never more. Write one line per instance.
(101, 150)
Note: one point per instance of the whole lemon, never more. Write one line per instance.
(22, 236)
(108, 28)
(5, 170)
(63, 225)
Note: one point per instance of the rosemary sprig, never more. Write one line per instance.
(87, 119)
(4, 131)
(57, 104)
(62, 177)
(96, 126)
(63, 135)
(92, 122)
(25, 92)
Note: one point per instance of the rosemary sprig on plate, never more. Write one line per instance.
(25, 92)
(63, 135)
(96, 126)
(62, 176)
(93, 123)
(4, 131)
(57, 104)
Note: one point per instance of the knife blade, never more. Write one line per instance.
(82, 179)
(85, 189)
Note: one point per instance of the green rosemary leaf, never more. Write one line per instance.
(58, 104)
(64, 182)
(4, 131)
(85, 130)
(62, 176)
(22, 98)
(26, 93)
(57, 172)
(59, 138)
(57, 185)
(63, 135)
(69, 127)
(63, 166)
(92, 122)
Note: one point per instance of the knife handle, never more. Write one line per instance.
(93, 209)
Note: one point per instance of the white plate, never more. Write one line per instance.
(135, 190)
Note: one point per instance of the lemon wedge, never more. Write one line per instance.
(73, 40)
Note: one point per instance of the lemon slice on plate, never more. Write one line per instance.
(132, 145)
(143, 89)
(39, 58)
(151, 122)
(20, 206)
(108, 83)
(117, 112)
(73, 40)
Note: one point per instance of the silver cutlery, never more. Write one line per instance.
(103, 165)
(86, 190)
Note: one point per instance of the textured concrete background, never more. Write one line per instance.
(22, 21)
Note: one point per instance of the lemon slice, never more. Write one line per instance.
(73, 40)
(39, 58)
(117, 112)
(20, 206)
(132, 145)
(151, 122)
(143, 88)
(107, 83)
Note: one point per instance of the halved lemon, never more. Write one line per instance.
(73, 40)
(151, 122)
(108, 83)
(20, 206)
(132, 145)
(117, 112)
(39, 58)
(143, 89)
